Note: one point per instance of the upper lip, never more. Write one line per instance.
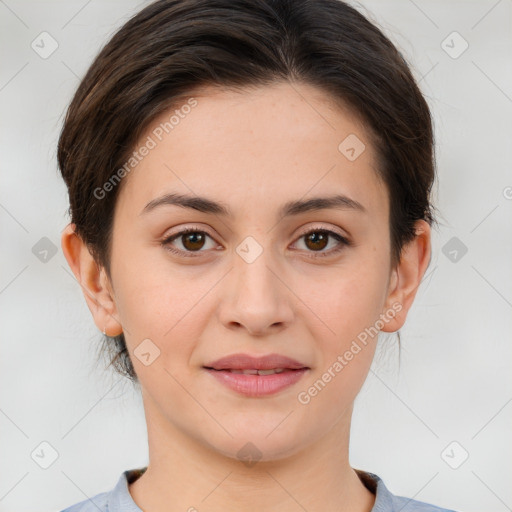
(247, 362)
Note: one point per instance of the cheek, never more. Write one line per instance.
(347, 299)
(346, 342)
(148, 296)
(163, 305)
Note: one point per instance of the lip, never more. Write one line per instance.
(247, 362)
(256, 385)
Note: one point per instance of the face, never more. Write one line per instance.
(262, 277)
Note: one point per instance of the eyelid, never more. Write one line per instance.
(343, 239)
(319, 227)
(302, 232)
(186, 229)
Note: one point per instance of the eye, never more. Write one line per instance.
(191, 239)
(317, 239)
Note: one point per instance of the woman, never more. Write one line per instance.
(249, 187)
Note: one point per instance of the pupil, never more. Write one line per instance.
(195, 238)
(315, 237)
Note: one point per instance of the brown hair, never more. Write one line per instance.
(173, 46)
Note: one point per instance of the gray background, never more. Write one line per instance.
(454, 383)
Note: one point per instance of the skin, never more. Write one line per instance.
(235, 147)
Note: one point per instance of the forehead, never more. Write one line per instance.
(256, 148)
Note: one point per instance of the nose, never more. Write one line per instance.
(256, 297)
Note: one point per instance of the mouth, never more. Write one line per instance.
(256, 376)
(254, 371)
(276, 363)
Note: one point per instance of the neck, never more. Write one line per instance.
(188, 474)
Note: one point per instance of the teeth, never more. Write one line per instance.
(270, 372)
(259, 372)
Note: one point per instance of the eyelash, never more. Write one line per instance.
(191, 254)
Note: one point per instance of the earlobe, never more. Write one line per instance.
(407, 276)
(93, 281)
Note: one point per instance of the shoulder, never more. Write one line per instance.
(96, 504)
(116, 500)
(385, 501)
(411, 505)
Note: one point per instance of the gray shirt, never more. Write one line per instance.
(119, 498)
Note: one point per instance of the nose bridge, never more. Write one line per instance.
(259, 300)
(254, 281)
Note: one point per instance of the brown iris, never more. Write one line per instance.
(193, 241)
(318, 239)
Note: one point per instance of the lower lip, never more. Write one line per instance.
(258, 385)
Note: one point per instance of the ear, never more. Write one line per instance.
(406, 277)
(93, 280)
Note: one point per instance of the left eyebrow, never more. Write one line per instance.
(339, 201)
(291, 208)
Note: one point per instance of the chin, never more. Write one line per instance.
(254, 445)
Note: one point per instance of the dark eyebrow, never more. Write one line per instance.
(202, 204)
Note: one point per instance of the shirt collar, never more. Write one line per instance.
(120, 499)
